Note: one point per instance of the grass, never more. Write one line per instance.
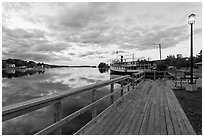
(180, 72)
(191, 103)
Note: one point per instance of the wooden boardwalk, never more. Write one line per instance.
(151, 109)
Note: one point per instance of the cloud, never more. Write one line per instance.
(90, 53)
(22, 33)
(31, 44)
(52, 47)
(79, 15)
(167, 36)
(47, 58)
(66, 28)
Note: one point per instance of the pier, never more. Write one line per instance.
(145, 106)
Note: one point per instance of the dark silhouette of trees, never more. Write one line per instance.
(103, 65)
(199, 57)
(161, 66)
(180, 61)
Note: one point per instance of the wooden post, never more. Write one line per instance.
(144, 75)
(112, 90)
(94, 110)
(154, 75)
(164, 75)
(136, 79)
(133, 81)
(57, 117)
(121, 94)
(128, 88)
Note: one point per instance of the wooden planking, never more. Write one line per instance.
(95, 131)
(156, 118)
(150, 121)
(176, 108)
(137, 122)
(130, 128)
(121, 117)
(172, 113)
(112, 117)
(162, 121)
(154, 110)
(99, 117)
(180, 113)
(124, 125)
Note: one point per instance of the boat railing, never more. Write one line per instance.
(15, 110)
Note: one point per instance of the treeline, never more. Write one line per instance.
(18, 63)
(103, 65)
(179, 61)
(22, 63)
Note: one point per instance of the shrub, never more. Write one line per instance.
(161, 66)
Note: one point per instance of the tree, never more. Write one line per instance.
(162, 66)
(170, 60)
(199, 57)
(103, 65)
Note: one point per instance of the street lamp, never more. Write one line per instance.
(191, 21)
(159, 49)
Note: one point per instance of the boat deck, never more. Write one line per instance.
(151, 109)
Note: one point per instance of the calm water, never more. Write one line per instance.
(22, 87)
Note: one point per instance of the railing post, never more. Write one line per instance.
(112, 90)
(128, 88)
(57, 117)
(94, 110)
(121, 94)
(144, 75)
(136, 80)
(164, 75)
(133, 81)
(154, 75)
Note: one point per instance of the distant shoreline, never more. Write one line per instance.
(16, 68)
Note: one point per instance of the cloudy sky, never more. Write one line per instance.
(89, 33)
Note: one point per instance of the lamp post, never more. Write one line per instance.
(191, 21)
(159, 50)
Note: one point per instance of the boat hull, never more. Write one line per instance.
(123, 72)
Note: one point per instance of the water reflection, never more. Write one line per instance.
(103, 70)
(10, 73)
(52, 81)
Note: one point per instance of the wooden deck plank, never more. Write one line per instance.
(136, 123)
(101, 129)
(170, 103)
(151, 109)
(128, 118)
(143, 117)
(170, 130)
(182, 126)
(125, 114)
(151, 120)
(138, 107)
(157, 108)
(120, 119)
(162, 121)
(181, 113)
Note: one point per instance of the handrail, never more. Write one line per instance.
(12, 111)
(27, 106)
(73, 115)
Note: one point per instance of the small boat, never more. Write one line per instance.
(125, 68)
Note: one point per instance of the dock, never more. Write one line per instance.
(152, 109)
(145, 107)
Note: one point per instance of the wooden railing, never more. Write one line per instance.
(157, 75)
(12, 111)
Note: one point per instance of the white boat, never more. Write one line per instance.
(120, 67)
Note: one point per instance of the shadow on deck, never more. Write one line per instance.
(151, 108)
